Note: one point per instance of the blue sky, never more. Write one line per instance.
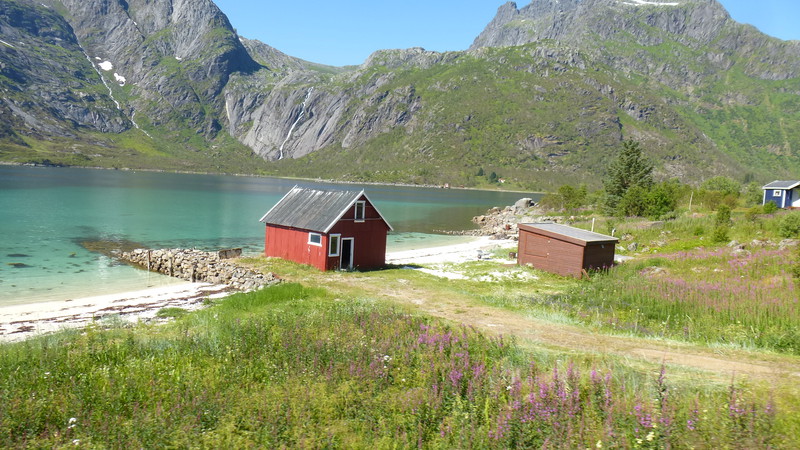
(343, 33)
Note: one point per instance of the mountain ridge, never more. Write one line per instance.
(535, 100)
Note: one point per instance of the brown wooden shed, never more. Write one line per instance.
(564, 250)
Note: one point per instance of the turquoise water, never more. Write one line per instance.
(48, 212)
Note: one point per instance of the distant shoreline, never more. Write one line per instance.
(316, 180)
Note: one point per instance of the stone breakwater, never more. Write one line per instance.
(195, 265)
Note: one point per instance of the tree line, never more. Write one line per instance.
(629, 189)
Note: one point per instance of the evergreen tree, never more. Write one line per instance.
(628, 170)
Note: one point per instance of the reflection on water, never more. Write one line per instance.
(49, 214)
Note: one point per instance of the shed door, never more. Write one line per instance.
(347, 253)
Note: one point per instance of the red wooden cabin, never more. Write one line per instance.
(564, 250)
(328, 229)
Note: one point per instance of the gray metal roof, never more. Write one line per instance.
(571, 232)
(790, 184)
(312, 209)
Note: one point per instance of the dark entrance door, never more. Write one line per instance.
(347, 253)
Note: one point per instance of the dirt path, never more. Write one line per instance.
(710, 363)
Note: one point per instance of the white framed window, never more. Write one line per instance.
(334, 244)
(777, 193)
(361, 206)
(315, 239)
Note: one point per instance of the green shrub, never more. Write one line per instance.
(753, 194)
(634, 202)
(723, 216)
(662, 200)
(720, 234)
(723, 185)
(790, 226)
(752, 214)
(770, 208)
(722, 224)
(796, 271)
(572, 197)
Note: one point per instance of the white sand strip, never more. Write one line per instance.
(457, 253)
(18, 322)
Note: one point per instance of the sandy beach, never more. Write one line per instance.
(18, 322)
(457, 253)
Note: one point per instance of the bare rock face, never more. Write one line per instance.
(178, 55)
(572, 21)
(298, 117)
(53, 87)
(696, 24)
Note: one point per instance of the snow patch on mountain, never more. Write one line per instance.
(644, 2)
(106, 65)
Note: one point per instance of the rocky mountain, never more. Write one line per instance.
(600, 27)
(545, 95)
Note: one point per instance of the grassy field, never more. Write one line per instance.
(682, 285)
(297, 366)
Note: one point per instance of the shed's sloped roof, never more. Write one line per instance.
(570, 232)
(790, 184)
(312, 209)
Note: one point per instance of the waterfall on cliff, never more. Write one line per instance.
(299, 118)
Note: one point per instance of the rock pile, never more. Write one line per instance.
(195, 265)
(502, 223)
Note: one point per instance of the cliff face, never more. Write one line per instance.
(695, 22)
(177, 55)
(545, 94)
(48, 85)
(308, 111)
(604, 27)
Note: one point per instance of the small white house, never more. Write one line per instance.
(785, 194)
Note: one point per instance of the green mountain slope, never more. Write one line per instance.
(545, 95)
